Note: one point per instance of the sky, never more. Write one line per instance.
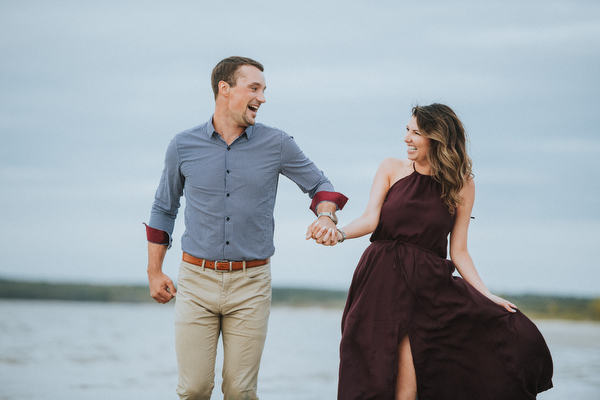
(91, 93)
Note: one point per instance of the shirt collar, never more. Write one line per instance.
(210, 131)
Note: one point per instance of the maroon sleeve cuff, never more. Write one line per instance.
(335, 197)
(157, 236)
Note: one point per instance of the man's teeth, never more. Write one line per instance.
(253, 108)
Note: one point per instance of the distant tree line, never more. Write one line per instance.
(558, 307)
(72, 292)
(535, 306)
(11, 289)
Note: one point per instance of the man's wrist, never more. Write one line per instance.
(330, 215)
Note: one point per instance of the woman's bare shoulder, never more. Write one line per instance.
(468, 188)
(396, 163)
(395, 169)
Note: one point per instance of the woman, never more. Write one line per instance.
(409, 326)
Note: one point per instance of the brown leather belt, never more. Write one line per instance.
(223, 265)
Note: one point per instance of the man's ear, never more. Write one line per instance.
(224, 88)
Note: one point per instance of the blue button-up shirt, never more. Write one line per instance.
(230, 190)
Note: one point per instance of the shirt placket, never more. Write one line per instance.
(228, 228)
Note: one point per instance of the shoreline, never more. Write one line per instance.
(535, 306)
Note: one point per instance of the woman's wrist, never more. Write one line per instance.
(342, 234)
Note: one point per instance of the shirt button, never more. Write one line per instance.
(227, 195)
(227, 219)
(227, 171)
(227, 243)
(228, 148)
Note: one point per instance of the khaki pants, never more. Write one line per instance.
(236, 304)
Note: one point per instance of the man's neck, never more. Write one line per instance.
(228, 130)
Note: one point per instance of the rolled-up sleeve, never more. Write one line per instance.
(309, 178)
(168, 195)
(334, 197)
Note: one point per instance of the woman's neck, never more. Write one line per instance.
(422, 169)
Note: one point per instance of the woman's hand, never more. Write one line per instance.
(504, 303)
(323, 232)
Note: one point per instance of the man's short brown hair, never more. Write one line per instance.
(227, 71)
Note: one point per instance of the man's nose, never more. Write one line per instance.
(261, 97)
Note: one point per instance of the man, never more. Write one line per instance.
(228, 169)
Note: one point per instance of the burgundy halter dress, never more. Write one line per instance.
(464, 346)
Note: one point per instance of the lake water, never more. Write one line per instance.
(71, 350)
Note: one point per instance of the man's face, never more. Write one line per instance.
(247, 95)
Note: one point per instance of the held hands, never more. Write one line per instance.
(323, 231)
(161, 287)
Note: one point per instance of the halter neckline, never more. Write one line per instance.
(415, 170)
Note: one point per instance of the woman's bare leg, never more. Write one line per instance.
(406, 383)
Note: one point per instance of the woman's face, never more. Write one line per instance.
(418, 145)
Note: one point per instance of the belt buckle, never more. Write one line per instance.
(228, 267)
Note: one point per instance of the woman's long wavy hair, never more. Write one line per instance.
(450, 163)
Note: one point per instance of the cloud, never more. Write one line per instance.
(92, 94)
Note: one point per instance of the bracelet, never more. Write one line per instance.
(343, 235)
